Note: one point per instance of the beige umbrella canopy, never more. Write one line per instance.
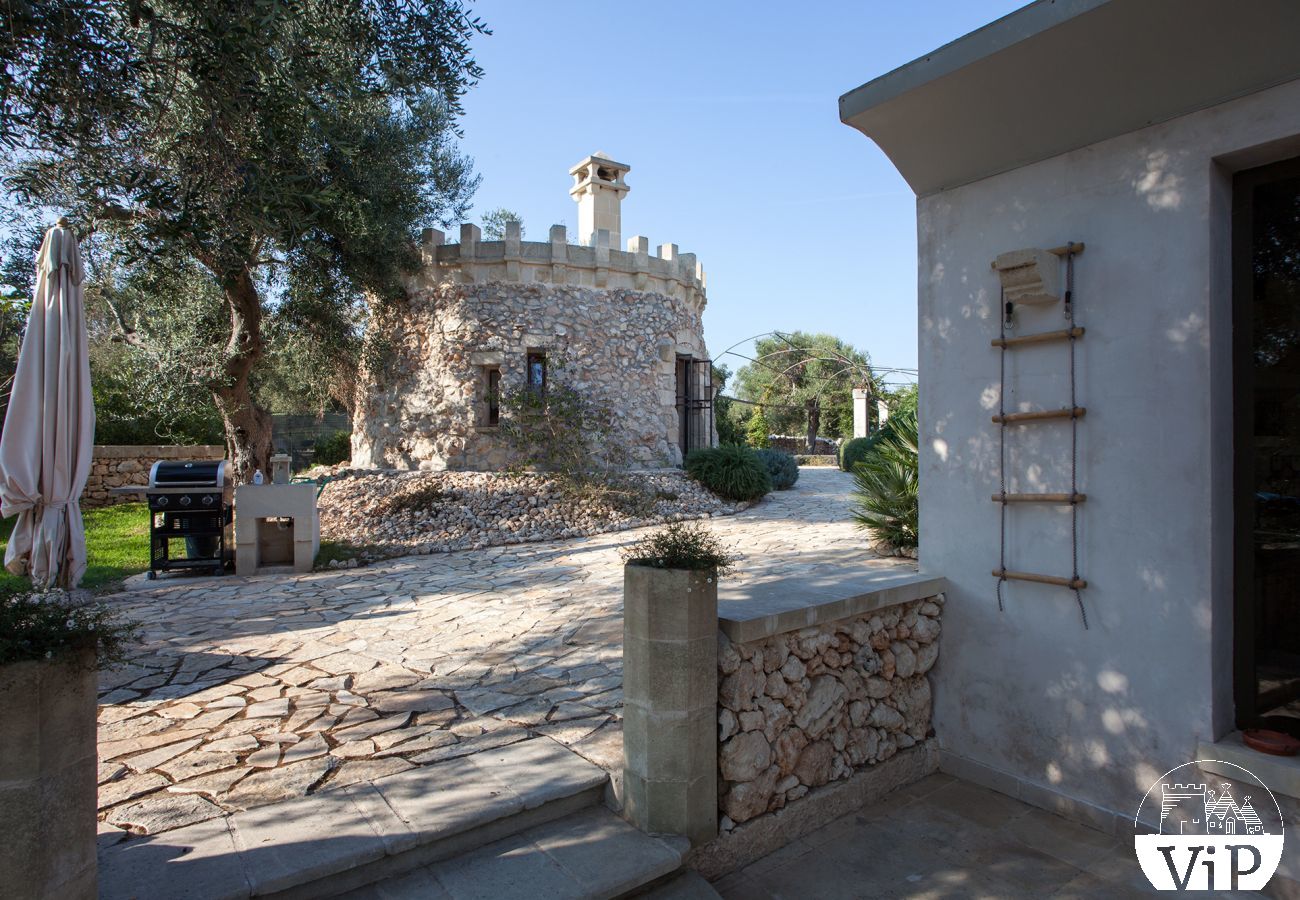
(49, 427)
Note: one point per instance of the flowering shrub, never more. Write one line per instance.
(36, 626)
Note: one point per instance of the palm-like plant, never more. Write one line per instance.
(885, 493)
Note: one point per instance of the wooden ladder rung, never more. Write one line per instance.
(1043, 338)
(1039, 498)
(1076, 583)
(1015, 418)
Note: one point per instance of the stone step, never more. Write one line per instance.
(343, 839)
(589, 855)
(686, 886)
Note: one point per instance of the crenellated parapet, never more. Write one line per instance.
(558, 262)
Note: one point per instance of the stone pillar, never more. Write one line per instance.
(47, 780)
(670, 700)
(882, 410)
(861, 412)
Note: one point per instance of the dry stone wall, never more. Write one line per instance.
(803, 708)
(119, 465)
(618, 346)
(799, 445)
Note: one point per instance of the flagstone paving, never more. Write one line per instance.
(250, 691)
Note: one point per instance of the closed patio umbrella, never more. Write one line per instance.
(49, 428)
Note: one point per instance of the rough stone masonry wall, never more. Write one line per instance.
(114, 465)
(804, 708)
(620, 345)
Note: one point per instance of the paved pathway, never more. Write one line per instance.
(945, 838)
(257, 690)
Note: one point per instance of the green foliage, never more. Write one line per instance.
(854, 450)
(342, 551)
(559, 429)
(37, 626)
(902, 400)
(782, 468)
(790, 369)
(17, 279)
(885, 493)
(332, 450)
(901, 403)
(117, 545)
(758, 433)
(724, 419)
(494, 223)
(134, 406)
(730, 471)
(287, 153)
(680, 546)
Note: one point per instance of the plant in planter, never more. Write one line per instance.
(670, 680)
(50, 648)
(680, 545)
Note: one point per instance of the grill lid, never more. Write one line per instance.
(188, 473)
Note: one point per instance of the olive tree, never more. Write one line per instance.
(287, 152)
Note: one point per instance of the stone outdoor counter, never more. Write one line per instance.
(818, 680)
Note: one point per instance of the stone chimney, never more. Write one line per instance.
(598, 187)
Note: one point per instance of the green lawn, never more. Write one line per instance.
(117, 545)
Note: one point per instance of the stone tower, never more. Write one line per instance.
(484, 321)
(598, 187)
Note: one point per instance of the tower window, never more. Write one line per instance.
(536, 371)
(492, 396)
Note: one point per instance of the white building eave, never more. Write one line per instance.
(1062, 74)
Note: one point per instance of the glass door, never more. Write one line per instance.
(1266, 372)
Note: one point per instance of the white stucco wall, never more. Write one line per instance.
(1094, 715)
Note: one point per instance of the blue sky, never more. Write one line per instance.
(727, 114)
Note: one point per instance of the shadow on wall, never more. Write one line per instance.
(1090, 713)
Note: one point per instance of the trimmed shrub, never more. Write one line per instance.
(333, 450)
(853, 451)
(731, 472)
(885, 494)
(782, 468)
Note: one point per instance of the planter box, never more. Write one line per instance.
(48, 780)
(670, 695)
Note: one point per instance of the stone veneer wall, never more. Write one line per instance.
(618, 345)
(803, 708)
(114, 465)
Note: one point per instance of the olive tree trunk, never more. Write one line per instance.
(248, 426)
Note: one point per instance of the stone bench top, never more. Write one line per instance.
(750, 612)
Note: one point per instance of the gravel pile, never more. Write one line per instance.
(397, 513)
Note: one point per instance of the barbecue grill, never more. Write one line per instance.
(190, 504)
